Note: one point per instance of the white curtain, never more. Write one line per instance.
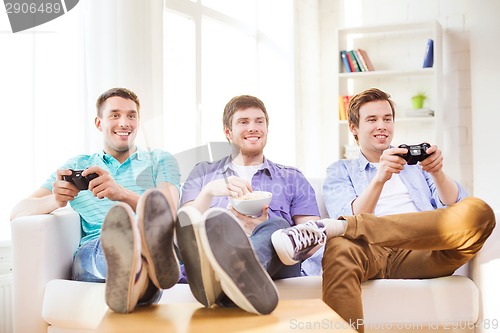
(51, 76)
(124, 48)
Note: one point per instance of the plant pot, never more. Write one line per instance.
(417, 102)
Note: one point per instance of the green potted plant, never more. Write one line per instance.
(418, 99)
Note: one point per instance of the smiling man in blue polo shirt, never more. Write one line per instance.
(224, 245)
(132, 254)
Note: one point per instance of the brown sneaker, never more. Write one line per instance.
(202, 281)
(156, 226)
(230, 252)
(121, 244)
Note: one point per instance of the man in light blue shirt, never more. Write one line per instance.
(395, 220)
(421, 187)
(134, 256)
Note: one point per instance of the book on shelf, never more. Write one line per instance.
(342, 114)
(361, 64)
(366, 59)
(345, 61)
(352, 61)
(343, 105)
(429, 54)
(423, 112)
(356, 61)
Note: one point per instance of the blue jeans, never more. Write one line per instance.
(89, 265)
(264, 249)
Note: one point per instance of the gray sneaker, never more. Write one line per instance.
(299, 242)
(156, 225)
(242, 277)
(121, 245)
(202, 281)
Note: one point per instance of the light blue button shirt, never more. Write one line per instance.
(347, 179)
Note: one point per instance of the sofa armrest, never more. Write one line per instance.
(42, 250)
(317, 185)
(485, 272)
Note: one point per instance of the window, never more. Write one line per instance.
(217, 49)
(42, 101)
(213, 50)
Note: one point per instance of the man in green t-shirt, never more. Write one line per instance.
(133, 254)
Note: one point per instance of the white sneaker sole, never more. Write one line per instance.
(280, 246)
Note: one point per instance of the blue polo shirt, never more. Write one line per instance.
(292, 193)
(141, 171)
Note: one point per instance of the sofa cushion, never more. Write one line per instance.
(74, 304)
(450, 299)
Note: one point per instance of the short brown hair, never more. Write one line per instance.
(120, 92)
(239, 103)
(357, 101)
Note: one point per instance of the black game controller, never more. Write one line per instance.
(416, 153)
(81, 182)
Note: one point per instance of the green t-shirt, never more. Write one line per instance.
(141, 171)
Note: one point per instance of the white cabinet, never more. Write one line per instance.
(397, 54)
(6, 287)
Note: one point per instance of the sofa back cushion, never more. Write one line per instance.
(317, 184)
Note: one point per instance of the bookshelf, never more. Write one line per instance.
(397, 54)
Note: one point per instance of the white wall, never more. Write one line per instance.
(123, 48)
(308, 86)
(485, 75)
(468, 125)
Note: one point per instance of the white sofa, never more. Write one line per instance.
(46, 301)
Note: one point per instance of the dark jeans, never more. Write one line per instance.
(261, 241)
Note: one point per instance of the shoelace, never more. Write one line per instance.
(306, 235)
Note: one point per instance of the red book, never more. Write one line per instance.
(352, 62)
(347, 99)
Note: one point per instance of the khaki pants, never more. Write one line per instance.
(401, 246)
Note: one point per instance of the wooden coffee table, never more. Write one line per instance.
(310, 315)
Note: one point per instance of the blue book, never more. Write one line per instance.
(345, 61)
(429, 54)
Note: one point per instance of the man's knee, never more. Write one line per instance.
(272, 225)
(480, 213)
(345, 253)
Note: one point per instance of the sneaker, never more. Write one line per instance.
(202, 281)
(156, 226)
(230, 252)
(151, 295)
(299, 242)
(121, 244)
